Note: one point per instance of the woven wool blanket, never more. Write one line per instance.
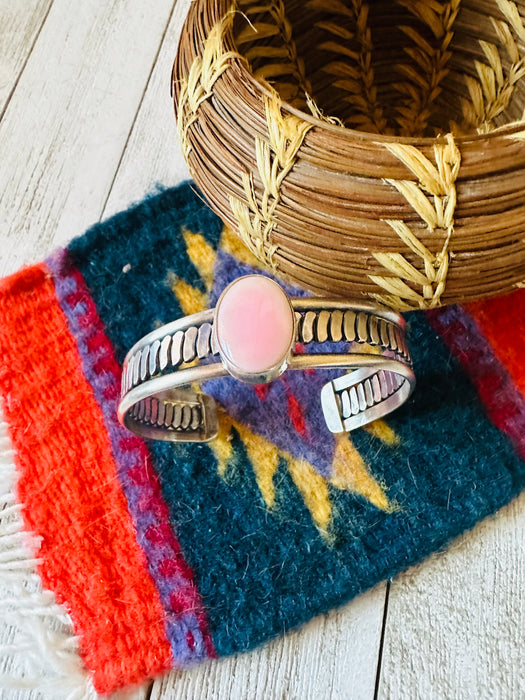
(146, 556)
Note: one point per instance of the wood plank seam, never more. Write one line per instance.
(382, 641)
(117, 169)
(22, 69)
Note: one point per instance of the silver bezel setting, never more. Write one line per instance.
(267, 374)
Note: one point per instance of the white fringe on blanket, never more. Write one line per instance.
(38, 649)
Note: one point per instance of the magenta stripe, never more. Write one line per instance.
(186, 627)
(504, 402)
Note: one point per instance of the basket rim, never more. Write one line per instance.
(504, 131)
(385, 249)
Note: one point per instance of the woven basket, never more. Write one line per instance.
(363, 150)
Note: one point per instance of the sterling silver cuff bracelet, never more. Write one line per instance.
(255, 333)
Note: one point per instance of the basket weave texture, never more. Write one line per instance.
(363, 150)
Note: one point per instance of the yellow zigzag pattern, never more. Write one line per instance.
(350, 472)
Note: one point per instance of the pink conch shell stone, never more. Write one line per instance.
(254, 324)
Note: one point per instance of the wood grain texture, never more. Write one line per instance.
(456, 624)
(152, 156)
(20, 24)
(67, 123)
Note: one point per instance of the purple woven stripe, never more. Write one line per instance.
(185, 620)
(504, 402)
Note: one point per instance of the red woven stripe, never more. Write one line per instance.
(503, 401)
(68, 485)
(502, 322)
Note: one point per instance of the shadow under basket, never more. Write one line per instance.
(360, 149)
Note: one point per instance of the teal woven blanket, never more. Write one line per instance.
(167, 554)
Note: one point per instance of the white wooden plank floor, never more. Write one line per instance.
(86, 128)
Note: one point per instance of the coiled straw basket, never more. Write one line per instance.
(363, 149)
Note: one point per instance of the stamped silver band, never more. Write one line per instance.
(159, 399)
